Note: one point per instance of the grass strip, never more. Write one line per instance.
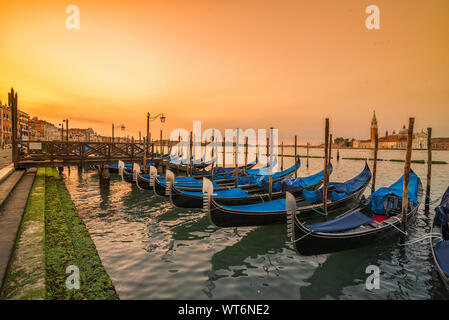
(94, 280)
(59, 251)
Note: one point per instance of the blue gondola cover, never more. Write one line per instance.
(442, 255)
(339, 190)
(442, 210)
(379, 196)
(231, 193)
(346, 222)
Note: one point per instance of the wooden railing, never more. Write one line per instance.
(29, 152)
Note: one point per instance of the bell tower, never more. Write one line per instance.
(373, 127)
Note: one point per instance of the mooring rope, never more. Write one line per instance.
(392, 224)
(303, 236)
(432, 202)
(422, 238)
(322, 213)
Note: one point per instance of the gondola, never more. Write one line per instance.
(247, 182)
(114, 168)
(343, 196)
(375, 219)
(221, 176)
(439, 242)
(199, 169)
(238, 196)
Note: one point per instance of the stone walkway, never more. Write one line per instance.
(5, 157)
(10, 217)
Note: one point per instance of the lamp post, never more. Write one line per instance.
(149, 118)
(121, 126)
(67, 128)
(62, 132)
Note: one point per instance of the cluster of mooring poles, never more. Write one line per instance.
(328, 157)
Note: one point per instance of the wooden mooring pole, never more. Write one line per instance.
(236, 156)
(145, 154)
(326, 175)
(429, 168)
(376, 147)
(13, 103)
(162, 144)
(269, 160)
(307, 160)
(246, 151)
(224, 153)
(282, 156)
(213, 155)
(408, 157)
(268, 151)
(296, 154)
(190, 169)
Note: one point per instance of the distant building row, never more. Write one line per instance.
(38, 129)
(399, 140)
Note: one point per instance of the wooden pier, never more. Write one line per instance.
(62, 153)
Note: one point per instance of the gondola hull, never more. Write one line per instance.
(181, 200)
(307, 242)
(128, 176)
(433, 241)
(224, 184)
(223, 217)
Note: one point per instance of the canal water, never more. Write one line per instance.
(152, 250)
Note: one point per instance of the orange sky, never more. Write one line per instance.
(287, 64)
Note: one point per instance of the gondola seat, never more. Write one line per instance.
(379, 218)
(346, 222)
(275, 205)
(230, 193)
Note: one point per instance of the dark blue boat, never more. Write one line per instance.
(244, 182)
(238, 196)
(374, 219)
(342, 196)
(439, 242)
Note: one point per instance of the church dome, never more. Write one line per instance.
(403, 131)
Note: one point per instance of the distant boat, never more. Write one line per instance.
(440, 245)
(373, 220)
(244, 182)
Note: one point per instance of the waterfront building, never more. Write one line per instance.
(43, 130)
(394, 140)
(6, 125)
(23, 119)
(77, 134)
(440, 143)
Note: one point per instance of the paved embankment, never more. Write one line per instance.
(52, 238)
(26, 272)
(14, 195)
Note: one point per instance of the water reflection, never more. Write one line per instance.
(154, 251)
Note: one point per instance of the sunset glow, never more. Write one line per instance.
(230, 64)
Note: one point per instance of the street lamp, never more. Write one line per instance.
(62, 132)
(67, 128)
(121, 126)
(160, 115)
(149, 118)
